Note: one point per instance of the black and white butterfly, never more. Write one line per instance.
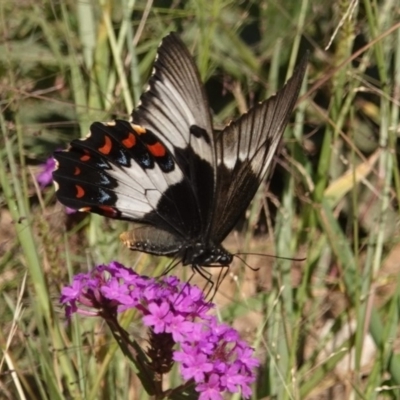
(168, 170)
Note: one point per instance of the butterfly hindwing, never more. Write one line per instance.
(159, 169)
(245, 149)
(119, 170)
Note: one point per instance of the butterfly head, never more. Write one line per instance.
(206, 255)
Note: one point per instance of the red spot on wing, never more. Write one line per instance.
(157, 149)
(107, 146)
(130, 141)
(108, 211)
(77, 171)
(80, 191)
(85, 157)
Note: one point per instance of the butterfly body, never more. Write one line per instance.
(167, 170)
(158, 242)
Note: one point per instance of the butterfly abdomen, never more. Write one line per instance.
(152, 240)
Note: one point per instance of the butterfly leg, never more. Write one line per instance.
(223, 272)
(205, 275)
(171, 266)
(224, 269)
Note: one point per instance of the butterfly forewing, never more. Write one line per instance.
(245, 150)
(175, 109)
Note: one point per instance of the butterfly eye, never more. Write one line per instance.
(225, 258)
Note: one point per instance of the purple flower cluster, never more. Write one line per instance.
(215, 357)
(209, 353)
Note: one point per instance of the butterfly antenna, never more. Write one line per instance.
(244, 262)
(268, 255)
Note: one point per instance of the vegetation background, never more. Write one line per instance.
(325, 319)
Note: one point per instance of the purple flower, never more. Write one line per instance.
(71, 293)
(194, 364)
(115, 291)
(45, 176)
(232, 378)
(209, 352)
(210, 390)
(158, 318)
(179, 327)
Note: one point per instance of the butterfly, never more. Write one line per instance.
(168, 170)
